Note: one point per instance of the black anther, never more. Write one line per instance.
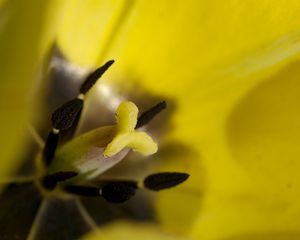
(160, 181)
(94, 76)
(147, 116)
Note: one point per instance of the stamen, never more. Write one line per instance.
(160, 181)
(118, 191)
(147, 116)
(64, 117)
(50, 147)
(94, 76)
(86, 191)
(50, 181)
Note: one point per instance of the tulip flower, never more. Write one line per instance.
(227, 69)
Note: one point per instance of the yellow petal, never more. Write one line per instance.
(26, 31)
(87, 27)
(132, 231)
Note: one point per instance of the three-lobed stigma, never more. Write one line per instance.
(127, 136)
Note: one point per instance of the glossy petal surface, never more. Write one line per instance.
(25, 36)
(230, 68)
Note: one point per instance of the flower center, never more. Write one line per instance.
(72, 165)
